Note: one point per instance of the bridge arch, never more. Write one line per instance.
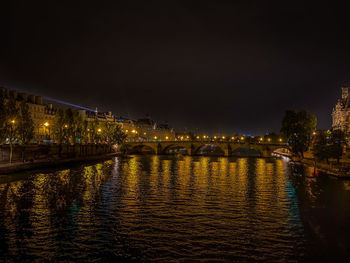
(246, 151)
(180, 148)
(143, 148)
(210, 148)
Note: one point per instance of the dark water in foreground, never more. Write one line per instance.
(163, 209)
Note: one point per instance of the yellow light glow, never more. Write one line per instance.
(242, 138)
(223, 137)
(133, 131)
(232, 138)
(214, 137)
(187, 137)
(155, 137)
(65, 126)
(269, 139)
(144, 133)
(99, 130)
(166, 137)
(46, 124)
(204, 136)
(13, 121)
(280, 139)
(197, 137)
(261, 139)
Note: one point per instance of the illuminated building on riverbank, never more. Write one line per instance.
(43, 114)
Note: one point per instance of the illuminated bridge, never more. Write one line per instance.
(194, 147)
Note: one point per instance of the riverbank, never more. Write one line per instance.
(50, 162)
(339, 170)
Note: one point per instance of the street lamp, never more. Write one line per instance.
(46, 124)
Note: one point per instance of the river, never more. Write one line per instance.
(175, 209)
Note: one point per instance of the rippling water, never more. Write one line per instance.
(164, 209)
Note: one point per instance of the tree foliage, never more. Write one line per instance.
(329, 144)
(69, 127)
(16, 124)
(297, 128)
(25, 124)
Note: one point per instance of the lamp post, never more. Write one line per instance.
(46, 126)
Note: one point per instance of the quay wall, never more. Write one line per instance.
(30, 153)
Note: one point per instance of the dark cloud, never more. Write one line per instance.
(215, 66)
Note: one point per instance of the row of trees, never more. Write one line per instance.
(329, 144)
(69, 127)
(299, 129)
(16, 124)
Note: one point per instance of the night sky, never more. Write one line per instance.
(211, 66)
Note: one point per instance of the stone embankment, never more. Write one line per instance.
(40, 156)
(340, 170)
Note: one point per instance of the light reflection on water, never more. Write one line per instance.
(160, 208)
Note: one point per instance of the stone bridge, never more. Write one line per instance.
(193, 147)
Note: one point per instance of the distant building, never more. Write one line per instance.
(149, 130)
(43, 115)
(341, 112)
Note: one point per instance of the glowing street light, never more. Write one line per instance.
(166, 137)
(280, 139)
(269, 140)
(46, 124)
(99, 130)
(13, 121)
(65, 126)
(223, 137)
(242, 138)
(155, 137)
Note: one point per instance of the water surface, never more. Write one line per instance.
(166, 209)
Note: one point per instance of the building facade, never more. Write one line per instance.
(43, 115)
(341, 112)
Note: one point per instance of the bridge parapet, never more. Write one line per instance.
(192, 147)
